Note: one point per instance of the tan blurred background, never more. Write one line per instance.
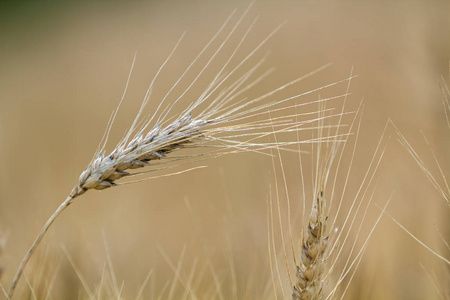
(63, 68)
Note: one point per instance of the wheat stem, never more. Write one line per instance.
(75, 192)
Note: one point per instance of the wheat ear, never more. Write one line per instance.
(312, 259)
(228, 124)
(310, 270)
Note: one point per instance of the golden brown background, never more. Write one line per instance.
(63, 67)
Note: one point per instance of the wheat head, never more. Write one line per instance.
(219, 120)
(309, 273)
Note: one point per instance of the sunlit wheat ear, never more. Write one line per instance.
(311, 266)
(342, 257)
(312, 260)
(327, 259)
(221, 119)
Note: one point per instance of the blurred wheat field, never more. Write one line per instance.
(63, 68)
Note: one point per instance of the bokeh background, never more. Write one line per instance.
(63, 68)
